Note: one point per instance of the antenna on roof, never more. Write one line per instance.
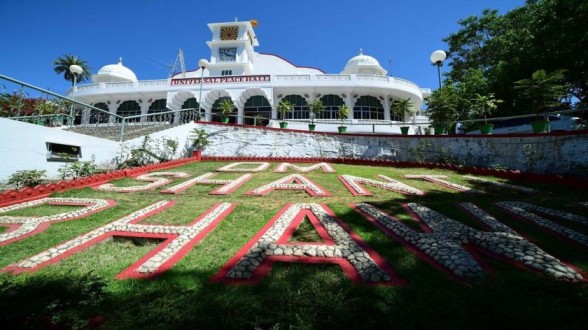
(180, 61)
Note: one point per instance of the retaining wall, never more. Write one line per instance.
(564, 153)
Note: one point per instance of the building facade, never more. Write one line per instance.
(254, 82)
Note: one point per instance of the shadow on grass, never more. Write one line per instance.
(302, 296)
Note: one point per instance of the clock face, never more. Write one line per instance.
(229, 33)
(227, 54)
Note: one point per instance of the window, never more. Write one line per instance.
(159, 106)
(226, 72)
(189, 116)
(57, 152)
(332, 104)
(299, 109)
(368, 107)
(129, 108)
(99, 116)
(257, 109)
(217, 112)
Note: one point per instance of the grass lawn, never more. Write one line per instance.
(293, 295)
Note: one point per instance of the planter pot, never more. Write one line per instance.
(540, 126)
(225, 120)
(440, 129)
(283, 124)
(404, 130)
(342, 129)
(197, 154)
(487, 129)
(311, 127)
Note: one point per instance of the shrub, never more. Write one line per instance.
(78, 169)
(26, 178)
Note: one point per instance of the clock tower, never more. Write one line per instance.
(231, 48)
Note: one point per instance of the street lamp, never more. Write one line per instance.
(75, 70)
(202, 63)
(437, 57)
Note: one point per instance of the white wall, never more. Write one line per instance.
(22, 147)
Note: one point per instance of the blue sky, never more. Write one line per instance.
(147, 34)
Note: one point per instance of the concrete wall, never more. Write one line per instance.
(23, 147)
(557, 153)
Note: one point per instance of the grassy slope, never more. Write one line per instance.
(293, 295)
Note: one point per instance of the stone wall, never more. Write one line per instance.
(555, 153)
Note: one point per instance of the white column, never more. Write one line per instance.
(350, 102)
(112, 107)
(144, 109)
(240, 112)
(386, 105)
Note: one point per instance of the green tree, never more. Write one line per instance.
(284, 107)
(315, 106)
(61, 66)
(542, 34)
(543, 90)
(402, 108)
(442, 105)
(343, 113)
(484, 105)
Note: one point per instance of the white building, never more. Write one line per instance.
(255, 83)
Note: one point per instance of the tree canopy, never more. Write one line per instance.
(62, 64)
(491, 52)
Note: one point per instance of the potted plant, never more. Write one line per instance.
(484, 105)
(315, 108)
(284, 107)
(441, 106)
(402, 108)
(544, 91)
(226, 106)
(199, 139)
(342, 115)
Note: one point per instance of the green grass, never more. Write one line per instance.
(292, 296)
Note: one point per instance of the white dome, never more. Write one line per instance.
(114, 73)
(363, 64)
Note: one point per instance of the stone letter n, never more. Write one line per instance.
(443, 240)
(178, 240)
(340, 246)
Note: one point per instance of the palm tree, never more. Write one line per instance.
(284, 107)
(315, 108)
(543, 90)
(402, 107)
(226, 107)
(62, 64)
(485, 105)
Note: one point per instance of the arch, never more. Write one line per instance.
(129, 108)
(248, 93)
(98, 117)
(368, 107)
(176, 100)
(300, 109)
(332, 103)
(257, 106)
(212, 96)
(156, 107)
(217, 112)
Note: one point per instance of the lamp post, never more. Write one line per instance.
(202, 63)
(437, 57)
(75, 70)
